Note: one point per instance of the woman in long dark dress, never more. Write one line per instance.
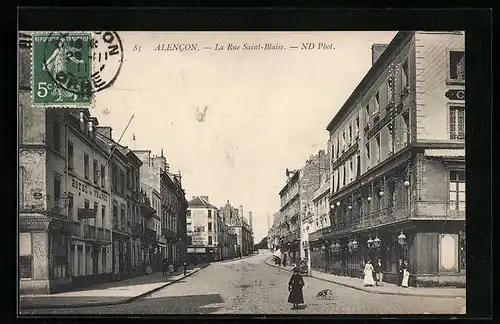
(295, 288)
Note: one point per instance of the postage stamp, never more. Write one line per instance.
(61, 69)
(68, 68)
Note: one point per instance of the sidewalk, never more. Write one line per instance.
(386, 289)
(110, 293)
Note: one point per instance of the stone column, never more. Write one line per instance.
(75, 268)
(40, 255)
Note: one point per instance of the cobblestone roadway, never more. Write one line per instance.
(249, 286)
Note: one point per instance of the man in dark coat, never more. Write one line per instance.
(400, 272)
(379, 272)
(295, 286)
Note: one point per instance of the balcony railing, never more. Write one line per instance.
(415, 210)
(96, 233)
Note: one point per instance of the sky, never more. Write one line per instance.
(266, 110)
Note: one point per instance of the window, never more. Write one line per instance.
(457, 190)
(357, 126)
(404, 76)
(390, 127)
(406, 122)
(114, 178)
(188, 213)
(377, 102)
(358, 166)
(209, 214)
(367, 112)
(209, 226)
(57, 136)
(351, 168)
(368, 155)
(103, 175)
(338, 146)
(122, 182)
(70, 155)
(210, 240)
(122, 216)
(115, 216)
(95, 170)
(390, 90)
(57, 191)
(457, 66)
(25, 256)
(344, 175)
(71, 206)
(343, 141)
(104, 221)
(137, 186)
(350, 133)
(86, 165)
(377, 138)
(457, 123)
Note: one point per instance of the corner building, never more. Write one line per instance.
(398, 163)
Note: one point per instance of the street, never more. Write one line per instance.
(249, 286)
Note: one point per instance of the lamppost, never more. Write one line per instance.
(352, 247)
(402, 242)
(373, 246)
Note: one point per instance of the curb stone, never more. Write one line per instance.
(120, 302)
(373, 291)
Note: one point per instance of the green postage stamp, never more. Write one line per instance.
(61, 69)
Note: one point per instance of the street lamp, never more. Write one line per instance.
(406, 183)
(338, 203)
(402, 242)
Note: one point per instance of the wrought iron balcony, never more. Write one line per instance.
(96, 233)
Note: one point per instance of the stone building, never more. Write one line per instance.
(398, 163)
(296, 198)
(64, 195)
(202, 230)
(118, 169)
(238, 225)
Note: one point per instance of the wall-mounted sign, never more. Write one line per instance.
(86, 213)
(198, 240)
(37, 195)
(89, 190)
(455, 94)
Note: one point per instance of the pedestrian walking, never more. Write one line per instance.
(400, 272)
(368, 271)
(185, 268)
(164, 266)
(295, 286)
(379, 272)
(406, 274)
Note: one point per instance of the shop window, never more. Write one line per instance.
(25, 255)
(457, 123)
(103, 254)
(457, 66)
(59, 263)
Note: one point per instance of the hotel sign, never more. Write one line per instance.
(89, 190)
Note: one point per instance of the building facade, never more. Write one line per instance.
(202, 230)
(239, 226)
(64, 195)
(121, 232)
(398, 163)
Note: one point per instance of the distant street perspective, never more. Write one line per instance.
(251, 286)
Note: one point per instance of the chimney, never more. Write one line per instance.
(105, 130)
(377, 50)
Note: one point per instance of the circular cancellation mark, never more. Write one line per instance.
(103, 53)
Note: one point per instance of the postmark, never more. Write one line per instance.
(69, 68)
